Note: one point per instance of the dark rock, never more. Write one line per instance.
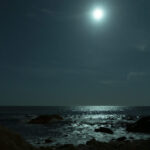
(81, 147)
(113, 140)
(123, 138)
(45, 148)
(96, 145)
(67, 147)
(91, 142)
(105, 130)
(65, 135)
(48, 141)
(38, 143)
(141, 126)
(45, 119)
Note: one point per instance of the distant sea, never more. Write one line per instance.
(78, 125)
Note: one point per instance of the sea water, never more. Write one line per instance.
(78, 125)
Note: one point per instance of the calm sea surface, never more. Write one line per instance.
(78, 125)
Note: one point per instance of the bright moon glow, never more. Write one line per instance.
(98, 14)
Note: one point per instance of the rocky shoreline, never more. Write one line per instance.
(9, 140)
(95, 145)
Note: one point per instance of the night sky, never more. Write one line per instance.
(52, 52)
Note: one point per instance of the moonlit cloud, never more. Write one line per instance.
(142, 47)
(135, 75)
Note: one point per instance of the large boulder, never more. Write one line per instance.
(141, 126)
(10, 140)
(45, 119)
(48, 140)
(104, 130)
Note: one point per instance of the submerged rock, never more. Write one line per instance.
(45, 119)
(104, 130)
(141, 126)
(10, 140)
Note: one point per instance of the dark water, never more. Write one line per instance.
(78, 125)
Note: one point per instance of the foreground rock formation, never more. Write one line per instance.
(10, 140)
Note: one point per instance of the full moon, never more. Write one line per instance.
(98, 14)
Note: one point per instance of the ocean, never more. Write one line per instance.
(78, 125)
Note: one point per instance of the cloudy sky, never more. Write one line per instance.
(52, 52)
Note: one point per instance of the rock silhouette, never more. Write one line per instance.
(141, 126)
(10, 140)
(45, 119)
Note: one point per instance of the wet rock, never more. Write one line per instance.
(91, 142)
(123, 138)
(48, 141)
(10, 140)
(45, 119)
(112, 140)
(104, 130)
(38, 143)
(65, 135)
(141, 126)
